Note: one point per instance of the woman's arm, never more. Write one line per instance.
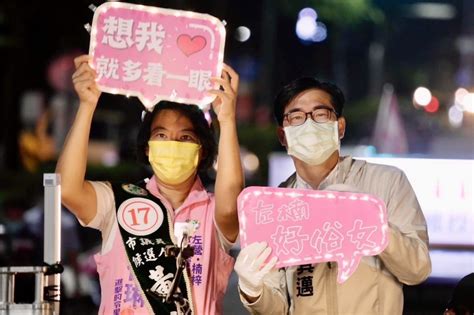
(230, 179)
(77, 194)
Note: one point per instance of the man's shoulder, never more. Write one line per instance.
(382, 169)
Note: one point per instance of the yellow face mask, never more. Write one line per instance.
(173, 161)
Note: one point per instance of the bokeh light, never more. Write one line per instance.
(306, 28)
(321, 32)
(308, 12)
(432, 106)
(250, 162)
(422, 96)
(242, 33)
(459, 95)
(455, 116)
(468, 102)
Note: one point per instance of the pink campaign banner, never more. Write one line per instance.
(156, 54)
(313, 226)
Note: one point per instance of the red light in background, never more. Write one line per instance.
(432, 106)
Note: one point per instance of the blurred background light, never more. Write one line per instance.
(422, 96)
(455, 116)
(308, 12)
(306, 28)
(250, 162)
(432, 10)
(468, 102)
(432, 106)
(321, 32)
(459, 96)
(110, 158)
(242, 33)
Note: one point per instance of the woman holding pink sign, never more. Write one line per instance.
(164, 243)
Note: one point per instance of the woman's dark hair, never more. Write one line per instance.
(462, 299)
(295, 87)
(203, 130)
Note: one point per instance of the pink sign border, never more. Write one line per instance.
(202, 103)
(356, 256)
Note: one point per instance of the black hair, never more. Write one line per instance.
(295, 87)
(462, 299)
(204, 131)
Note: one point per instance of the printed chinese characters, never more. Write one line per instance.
(196, 267)
(121, 34)
(292, 239)
(118, 34)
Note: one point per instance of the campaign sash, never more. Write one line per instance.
(146, 232)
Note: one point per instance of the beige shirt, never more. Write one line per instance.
(376, 285)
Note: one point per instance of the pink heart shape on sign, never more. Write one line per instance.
(190, 45)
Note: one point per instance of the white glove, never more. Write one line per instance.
(251, 268)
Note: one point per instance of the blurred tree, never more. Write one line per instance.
(260, 140)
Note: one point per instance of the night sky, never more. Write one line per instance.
(417, 51)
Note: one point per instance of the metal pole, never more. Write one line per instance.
(39, 287)
(10, 288)
(52, 231)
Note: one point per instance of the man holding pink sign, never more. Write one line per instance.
(165, 240)
(309, 115)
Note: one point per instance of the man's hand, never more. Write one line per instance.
(251, 268)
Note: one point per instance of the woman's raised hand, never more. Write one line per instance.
(224, 105)
(84, 81)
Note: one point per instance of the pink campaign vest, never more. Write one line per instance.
(209, 268)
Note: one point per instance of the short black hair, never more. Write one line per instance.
(295, 87)
(462, 300)
(204, 131)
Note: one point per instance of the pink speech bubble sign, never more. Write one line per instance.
(313, 226)
(156, 54)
